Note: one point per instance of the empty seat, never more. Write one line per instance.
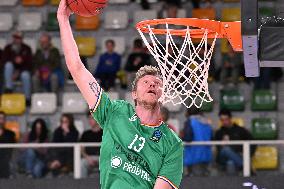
(207, 13)
(265, 12)
(263, 100)
(32, 42)
(128, 98)
(86, 45)
(173, 108)
(13, 104)
(54, 2)
(232, 100)
(175, 123)
(74, 103)
(56, 42)
(87, 23)
(119, 44)
(3, 43)
(43, 103)
(118, 1)
(264, 129)
(52, 23)
(79, 126)
(15, 127)
(207, 107)
(116, 20)
(6, 21)
(113, 95)
(33, 2)
(145, 15)
(29, 21)
(8, 2)
(265, 157)
(181, 13)
(231, 14)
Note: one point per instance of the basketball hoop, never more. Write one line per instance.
(185, 68)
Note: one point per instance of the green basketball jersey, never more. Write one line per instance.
(134, 155)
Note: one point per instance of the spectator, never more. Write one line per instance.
(231, 67)
(171, 6)
(61, 159)
(17, 58)
(230, 157)
(35, 158)
(197, 128)
(144, 4)
(47, 66)
(165, 114)
(137, 59)
(90, 154)
(109, 65)
(6, 136)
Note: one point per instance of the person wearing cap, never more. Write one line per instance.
(17, 60)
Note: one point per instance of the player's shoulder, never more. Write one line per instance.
(171, 135)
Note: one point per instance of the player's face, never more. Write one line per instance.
(149, 90)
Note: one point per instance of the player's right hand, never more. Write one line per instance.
(63, 12)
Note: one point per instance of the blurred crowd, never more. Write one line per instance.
(56, 162)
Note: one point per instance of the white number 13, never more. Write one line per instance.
(138, 147)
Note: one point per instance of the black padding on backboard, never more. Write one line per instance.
(271, 40)
(249, 12)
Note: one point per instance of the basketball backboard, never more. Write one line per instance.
(263, 39)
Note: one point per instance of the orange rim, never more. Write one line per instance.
(229, 30)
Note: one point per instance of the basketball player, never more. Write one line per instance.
(138, 150)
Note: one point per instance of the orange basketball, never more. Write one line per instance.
(86, 8)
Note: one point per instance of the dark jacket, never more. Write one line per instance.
(52, 61)
(25, 52)
(235, 133)
(64, 155)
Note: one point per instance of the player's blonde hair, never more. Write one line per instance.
(145, 70)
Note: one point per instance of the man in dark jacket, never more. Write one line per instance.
(6, 136)
(47, 66)
(231, 156)
(17, 60)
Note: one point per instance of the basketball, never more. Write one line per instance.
(86, 8)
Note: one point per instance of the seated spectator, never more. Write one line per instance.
(17, 60)
(6, 136)
(61, 159)
(35, 158)
(90, 155)
(230, 157)
(171, 6)
(144, 4)
(165, 114)
(109, 65)
(231, 67)
(136, 59)
(47, 66)
(197, 128)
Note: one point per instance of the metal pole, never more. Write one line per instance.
(77, 161)
(246, 159)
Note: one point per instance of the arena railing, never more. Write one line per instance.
(77, 150)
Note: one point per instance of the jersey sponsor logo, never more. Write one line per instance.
(156, 136)
(116, 162)
(136, 170)
(132, 157)
(133, 118)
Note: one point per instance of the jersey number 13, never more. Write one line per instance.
(137, 144)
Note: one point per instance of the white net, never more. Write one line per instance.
(184, 66)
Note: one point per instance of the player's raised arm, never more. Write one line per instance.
(82, 77)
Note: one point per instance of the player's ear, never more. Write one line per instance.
(134, 95)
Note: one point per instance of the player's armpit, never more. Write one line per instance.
(163, 183)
